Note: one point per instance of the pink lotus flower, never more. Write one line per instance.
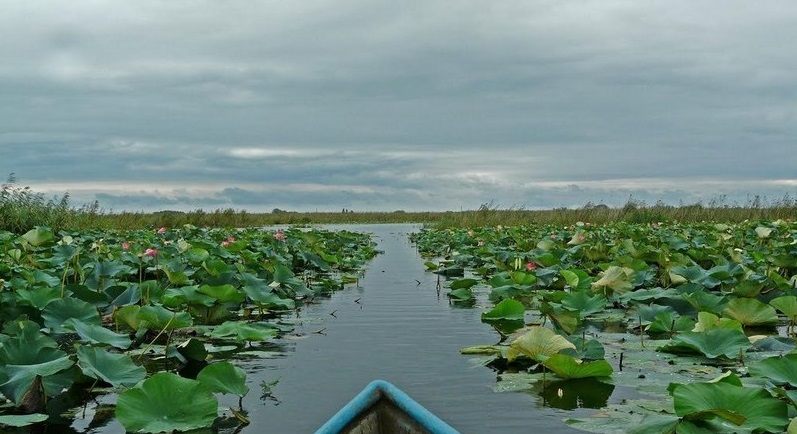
(531, 266)
(162, 230)
(151, 252)
(280, 235)
(231, 239)
(125, 246)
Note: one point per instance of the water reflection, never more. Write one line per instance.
(572, 394)
(506, 327)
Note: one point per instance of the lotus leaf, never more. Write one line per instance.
(243, 331)
(166, 402)
(751, 312)
(748, 408)
(583, 303)
(20, 420)
(156, 317)
(461, 294)
(224, 377)
(115, 369)
(58, 312)
(787, 305)
(780, 369)
(708, 321)
(618, 279)
(40, 236)
(463, 283)
(508, 309)
(98, 334)
(719, 342)
(538, 343)
(567, 367)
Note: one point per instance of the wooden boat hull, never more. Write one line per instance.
(382, 408)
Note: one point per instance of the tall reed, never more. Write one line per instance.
(22, 209)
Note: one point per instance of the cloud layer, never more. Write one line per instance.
(388, 105)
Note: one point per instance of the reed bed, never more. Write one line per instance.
(22, 209)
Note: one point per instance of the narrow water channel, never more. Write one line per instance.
(392, 328)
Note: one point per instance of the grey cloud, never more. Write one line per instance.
(429, 103)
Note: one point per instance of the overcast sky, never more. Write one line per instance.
(411, 105)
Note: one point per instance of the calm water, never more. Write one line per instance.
(394, 329)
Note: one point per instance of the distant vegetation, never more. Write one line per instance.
(22, 209)
(631, 212)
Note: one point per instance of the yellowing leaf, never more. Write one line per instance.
(538, 343)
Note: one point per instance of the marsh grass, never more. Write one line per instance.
(22, 209)
(632, 212)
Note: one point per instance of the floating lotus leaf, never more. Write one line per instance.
(571, 278)
(787, 305)
(224, 377)
(508, 309)
(196, 255)
(748, 288)
(463, 283)
(693, 274)
(98, 334)
(243, 331)
(583, 303)
(485, 350)
(156, 317)
(283, 274)
(20, 420)
(670, 322)
(563, 319)
(705, 301)
(39, 297)
(538, 343)
(523, 278)
(193, 349)
(618, 279)
(720, 342)
(20, 379)
(223, 293)
(647, 313)
(176, 297)
(751, 312)
(115, 369)
(780, 369)
(166, 402)
(708, 321)
(40, 236)
(58, 312)
(589, 349)
(746, 408)
(567, 367)
(254, 286)
(315, 260)
(131, 295)
(461, 294)
(127, 316)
